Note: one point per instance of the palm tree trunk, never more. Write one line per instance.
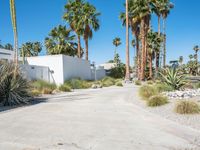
(159, 25)
(127, 44)
(86, 49)
(79, 46)
(150, 67)
(137, 56)
(157, 62)
(142, 74)
(164, 43)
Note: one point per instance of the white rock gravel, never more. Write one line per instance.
(186, 94)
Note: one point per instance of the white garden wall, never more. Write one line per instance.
(76, 68)
(53, 62)
(63, 67)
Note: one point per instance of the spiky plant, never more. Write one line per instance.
(172, 78)
(14, 89)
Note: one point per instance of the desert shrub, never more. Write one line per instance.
(78, 84)
(108, 81)
(161, 87)
(157, 100)
(119, 84)
(40, 85)
(150, 82)
(187, 107)
(172, 78)
(35, 92)
(14, 89)
(138, 82)
(197, 85)
(189, 86)
(47, 91)
(65, 88)
(117, 72)
(146, 91)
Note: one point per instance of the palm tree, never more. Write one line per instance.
(14, 25)
(196, 49)
(60, 41)
(116, 43)
(165, 10)
(74, 16)
(90, 22)
(181, 60)
(134, 23)
(191, 57)
(29, 49)
(127, 77)
(8, 46)
(143, 10)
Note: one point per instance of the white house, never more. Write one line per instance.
(6, 55)
(63, 67)
(56, 68)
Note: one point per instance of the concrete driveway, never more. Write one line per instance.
(102, 119)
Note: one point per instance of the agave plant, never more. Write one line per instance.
(172, 78)
(13, 87)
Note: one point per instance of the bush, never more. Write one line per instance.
(108, 81)
(40, 85)
(78, 84)
(187, 107)
(47, 91)
(150, 82)
(35, 92)
(157, 100)
(138, 82)
(14, 89)
(65, 88)
(119, 84)
(147, 91)
(163, 88)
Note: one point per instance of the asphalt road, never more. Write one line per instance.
(102, 119)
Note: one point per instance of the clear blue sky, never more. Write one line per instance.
(35, 18)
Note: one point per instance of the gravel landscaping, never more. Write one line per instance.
(167, 111)
(186, 94)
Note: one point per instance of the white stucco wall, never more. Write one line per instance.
(53, 62)
(63, 67)
(6, 54)
(32, 72)
(76, 68)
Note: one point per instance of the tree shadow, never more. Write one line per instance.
(32, 102)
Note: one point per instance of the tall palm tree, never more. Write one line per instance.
(61, 41)
(165, 11)
(116, 43)
(143, 10)
(181, 60)
(134, 23)
(127, 77)
(90, 22)
(196, 49)
(74, 16)
(14, 25)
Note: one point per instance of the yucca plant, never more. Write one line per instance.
(14, 89)
(172, 78)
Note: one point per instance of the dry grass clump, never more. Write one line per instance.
(47, 91)
(138, 82)
(157, 100)
(65, 88)
(35, 93)
(119, 84)
(147, 91)
(150, 82)
(187, 107)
